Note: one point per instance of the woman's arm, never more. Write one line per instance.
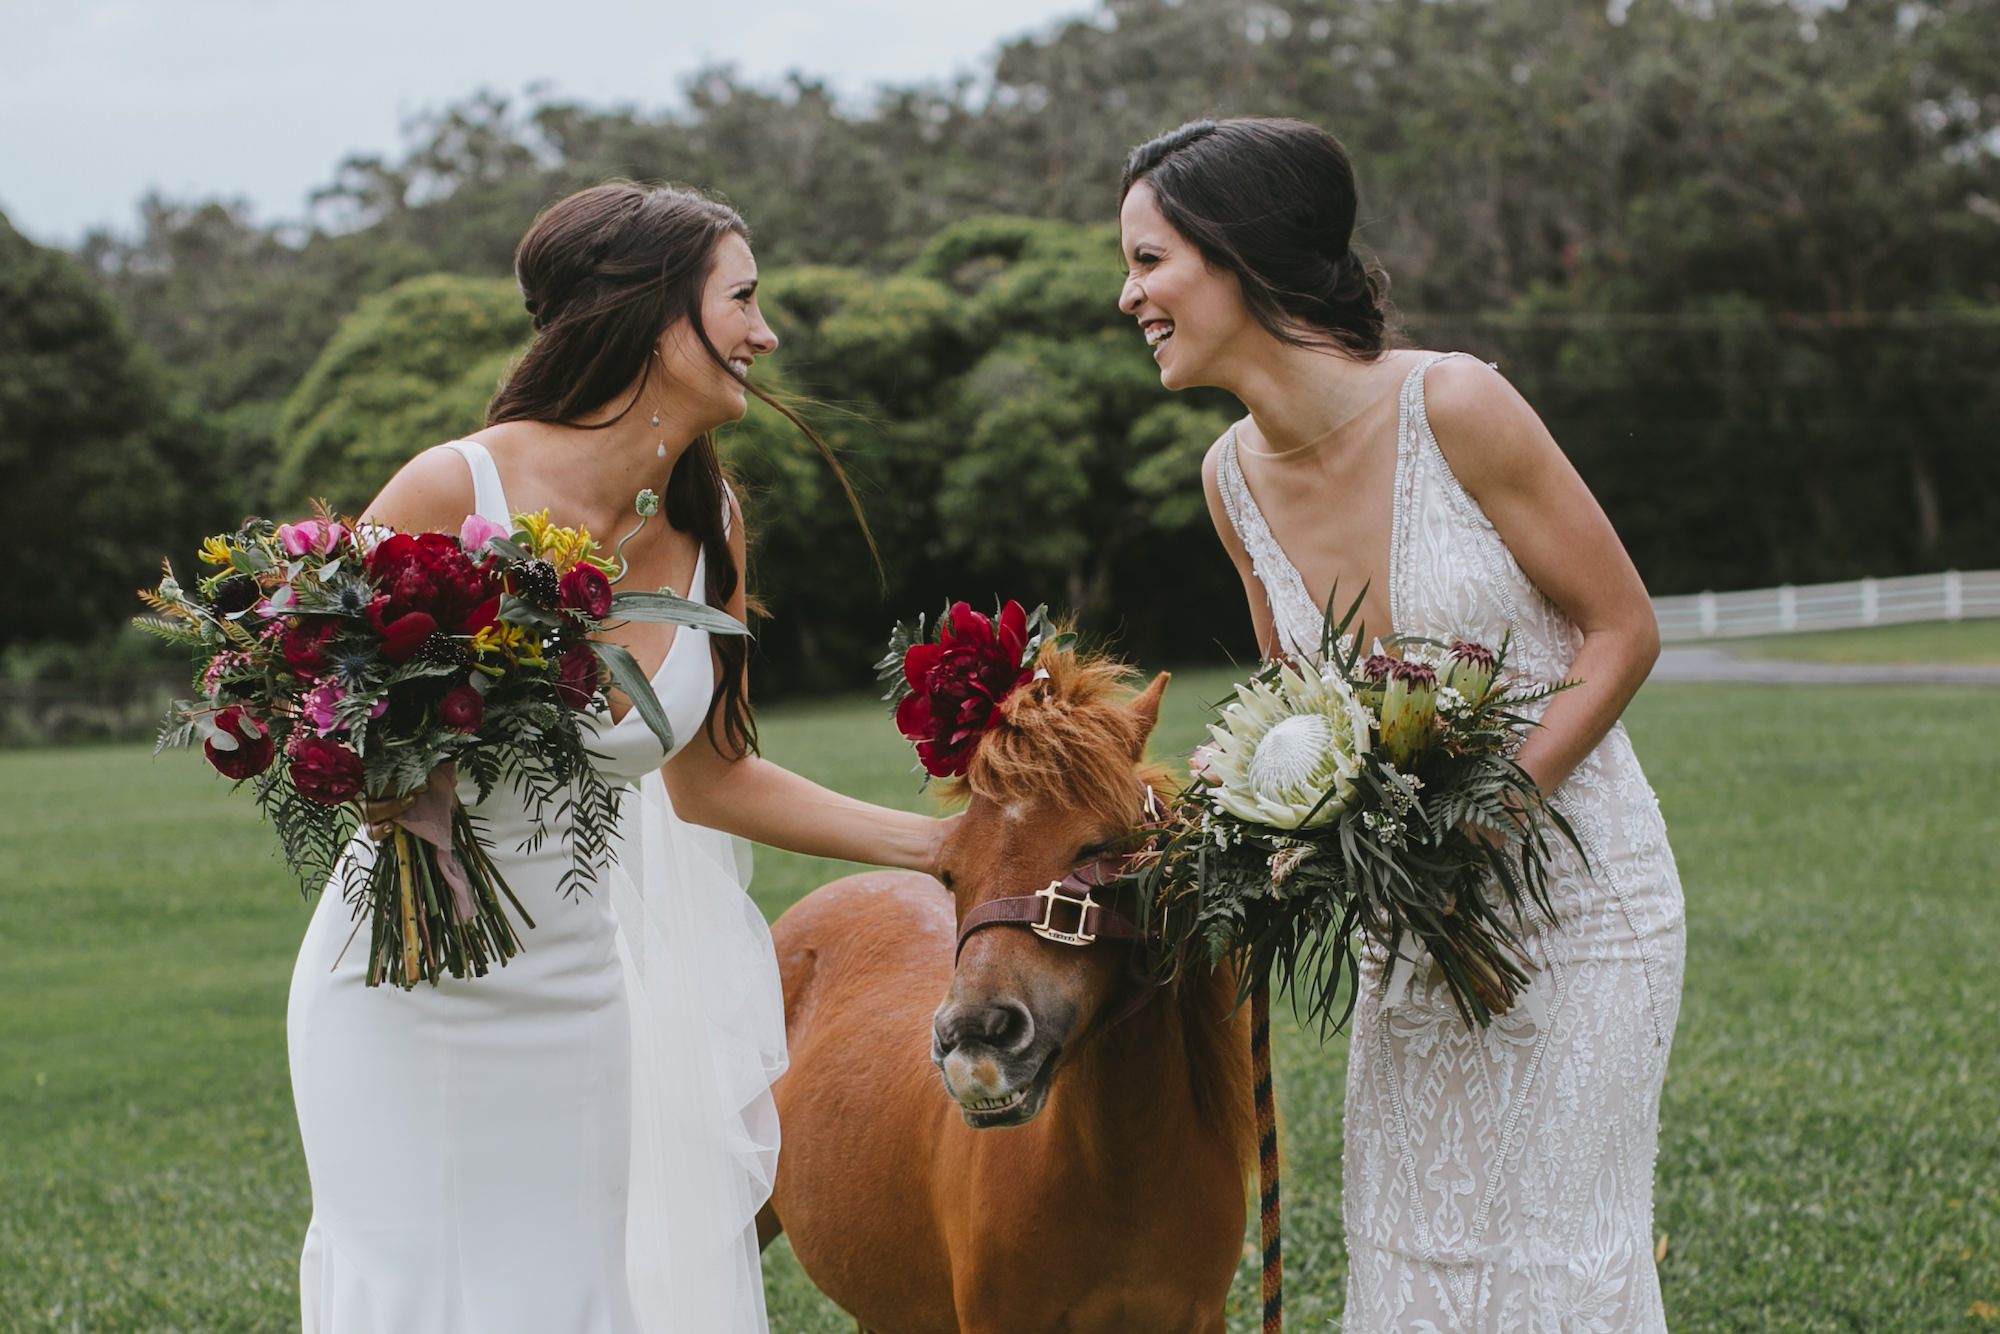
(1505, 457)
(1253, 588)
(766, 803)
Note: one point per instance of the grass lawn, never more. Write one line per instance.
(1830, 1156)
(1941, 641)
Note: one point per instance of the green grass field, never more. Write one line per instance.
(1830, 1155)
(1945, 641)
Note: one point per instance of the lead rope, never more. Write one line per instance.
(1267, 1160)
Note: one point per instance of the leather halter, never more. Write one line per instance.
(1094, 921)
(1083, 920)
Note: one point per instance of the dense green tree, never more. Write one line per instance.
(1744, 255)
(412, 366)
(102, 469)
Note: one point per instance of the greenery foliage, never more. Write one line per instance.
(104, 469)
(1744, 256)
(411, 367)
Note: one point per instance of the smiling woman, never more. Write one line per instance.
(1499, 1177)
(580, 1141)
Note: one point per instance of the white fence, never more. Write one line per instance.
(1955, 595)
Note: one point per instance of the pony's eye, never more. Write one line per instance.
(944, 878)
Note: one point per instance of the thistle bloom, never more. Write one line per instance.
(1282, 750)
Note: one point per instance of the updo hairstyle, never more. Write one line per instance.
(604, 272)
(1273, 202)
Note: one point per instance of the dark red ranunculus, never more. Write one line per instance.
(585, 589)
(254, 747)
(462, 709)
(325, 771)
(305, 644)
(402, 637)
(576, 678)
(958, 684)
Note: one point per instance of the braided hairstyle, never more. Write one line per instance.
(603, 273)
(1273, 202)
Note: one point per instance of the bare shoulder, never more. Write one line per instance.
(1487, 431)
(432, 492)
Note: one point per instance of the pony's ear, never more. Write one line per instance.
(1146, 707)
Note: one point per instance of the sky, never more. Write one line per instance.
(260, 100)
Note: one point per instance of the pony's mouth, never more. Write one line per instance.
(1018, 1108)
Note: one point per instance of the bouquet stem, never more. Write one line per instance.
(428, 923)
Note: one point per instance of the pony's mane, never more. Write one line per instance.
(1070, 732)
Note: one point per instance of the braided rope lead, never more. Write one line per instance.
(1267, 1160)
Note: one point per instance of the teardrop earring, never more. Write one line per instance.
(662, 450)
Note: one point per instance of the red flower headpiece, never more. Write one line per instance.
(946, 693)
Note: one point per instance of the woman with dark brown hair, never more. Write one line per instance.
(578, 1143)
(1496, 1179)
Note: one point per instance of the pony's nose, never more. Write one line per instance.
(1004, 1027)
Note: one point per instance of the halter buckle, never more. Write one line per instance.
(1046, 927)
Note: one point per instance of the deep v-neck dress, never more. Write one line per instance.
(1502, 1180)
(578, 1142)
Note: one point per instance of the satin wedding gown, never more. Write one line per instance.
(1501, 1181)
(578, 1142)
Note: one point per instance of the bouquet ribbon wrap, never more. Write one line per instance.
(429, 818)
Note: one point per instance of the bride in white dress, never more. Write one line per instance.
(1499, 1179)
(578, 1143)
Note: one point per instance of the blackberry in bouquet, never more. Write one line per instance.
(1362, 798)
(341, 664)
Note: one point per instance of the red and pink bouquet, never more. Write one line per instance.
(338, 664)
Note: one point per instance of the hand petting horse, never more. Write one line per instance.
(1081, 1163)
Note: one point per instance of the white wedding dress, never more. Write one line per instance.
(578, 1142)
(1501, 1181)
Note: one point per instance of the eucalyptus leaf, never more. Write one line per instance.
(665, 608)
(508, 549)
(520, 611)
(627, 676)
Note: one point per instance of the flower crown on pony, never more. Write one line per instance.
(948, 691)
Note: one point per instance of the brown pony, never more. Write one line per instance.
(1081, 1164)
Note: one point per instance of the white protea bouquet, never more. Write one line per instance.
(1362, 794)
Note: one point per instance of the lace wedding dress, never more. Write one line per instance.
(576, 1143)
(1502, 1180)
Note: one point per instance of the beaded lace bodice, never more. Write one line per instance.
(1501, 1179)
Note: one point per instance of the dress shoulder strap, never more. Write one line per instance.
(489, 501)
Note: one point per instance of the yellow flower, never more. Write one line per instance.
(563, 548)
(215, 550)
(513, 641)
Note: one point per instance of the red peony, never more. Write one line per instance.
(305, 644)
(254, 747)
(430, 573)
(462, 709)
(402, 637)
(958, 684)
(576, 678)
(585, 589)
(325, 771)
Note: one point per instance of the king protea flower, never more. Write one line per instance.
(1282, 748)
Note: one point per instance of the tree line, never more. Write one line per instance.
(1744, 256)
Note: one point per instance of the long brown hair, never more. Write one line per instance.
(604, 272)
(1273, 202)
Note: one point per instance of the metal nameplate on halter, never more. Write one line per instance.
(1047, 929)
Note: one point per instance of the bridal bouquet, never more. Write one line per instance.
(338, 664)
(1374, 795)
